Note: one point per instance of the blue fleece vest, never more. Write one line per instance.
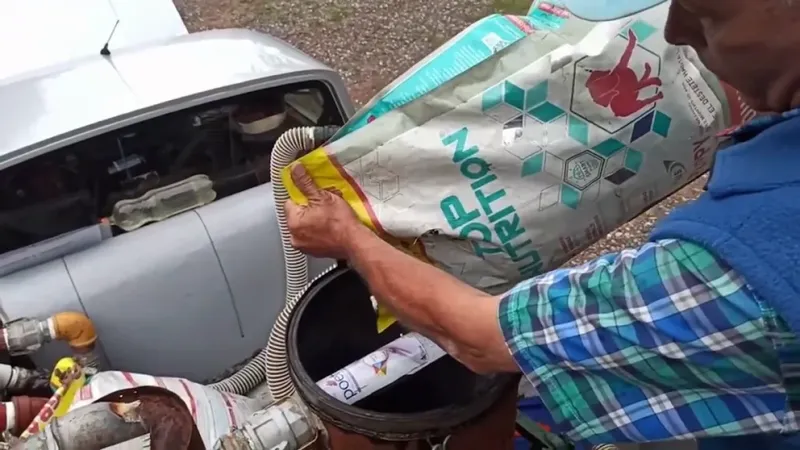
(750, 215)
(750, 218)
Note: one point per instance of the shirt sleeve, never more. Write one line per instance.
(662, 342)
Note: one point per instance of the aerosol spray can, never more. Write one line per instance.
(404, 356)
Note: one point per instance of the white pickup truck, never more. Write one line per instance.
(94, 120)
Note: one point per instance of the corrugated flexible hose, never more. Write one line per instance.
(273, 357)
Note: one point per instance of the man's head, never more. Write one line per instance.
(750, 44)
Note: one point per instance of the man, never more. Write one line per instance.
(691, 335)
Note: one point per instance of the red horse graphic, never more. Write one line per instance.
(618, 89)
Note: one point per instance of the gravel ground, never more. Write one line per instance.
(635, 232)
(370, 42)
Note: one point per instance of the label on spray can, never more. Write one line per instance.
(341, 385)
(403, 356)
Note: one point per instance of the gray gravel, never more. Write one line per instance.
(635, 232)
(370, 42)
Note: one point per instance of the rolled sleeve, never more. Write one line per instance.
(658, 343)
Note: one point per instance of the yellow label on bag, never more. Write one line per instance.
(64, 365)
(327, 173)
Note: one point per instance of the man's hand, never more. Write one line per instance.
(461, 319)
(326, 226)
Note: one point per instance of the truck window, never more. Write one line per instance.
(228, 141)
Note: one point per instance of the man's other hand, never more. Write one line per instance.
(324, 227)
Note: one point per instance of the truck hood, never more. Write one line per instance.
(41, 33)
(63, 104)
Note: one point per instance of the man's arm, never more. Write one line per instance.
(643, 345)
(461, 319)
(661, 334)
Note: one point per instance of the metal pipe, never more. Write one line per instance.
(24, 336)
(17, 380)
(285, 425)
(93, 427)
(19, 412)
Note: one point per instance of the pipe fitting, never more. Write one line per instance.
(24, 336)
(76, 329)
(286, 425)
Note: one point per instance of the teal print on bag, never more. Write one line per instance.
(494, 227)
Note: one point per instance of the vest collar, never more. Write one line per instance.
(765, 154)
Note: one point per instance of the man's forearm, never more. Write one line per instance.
(462, 319)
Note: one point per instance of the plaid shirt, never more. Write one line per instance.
(658, 343)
